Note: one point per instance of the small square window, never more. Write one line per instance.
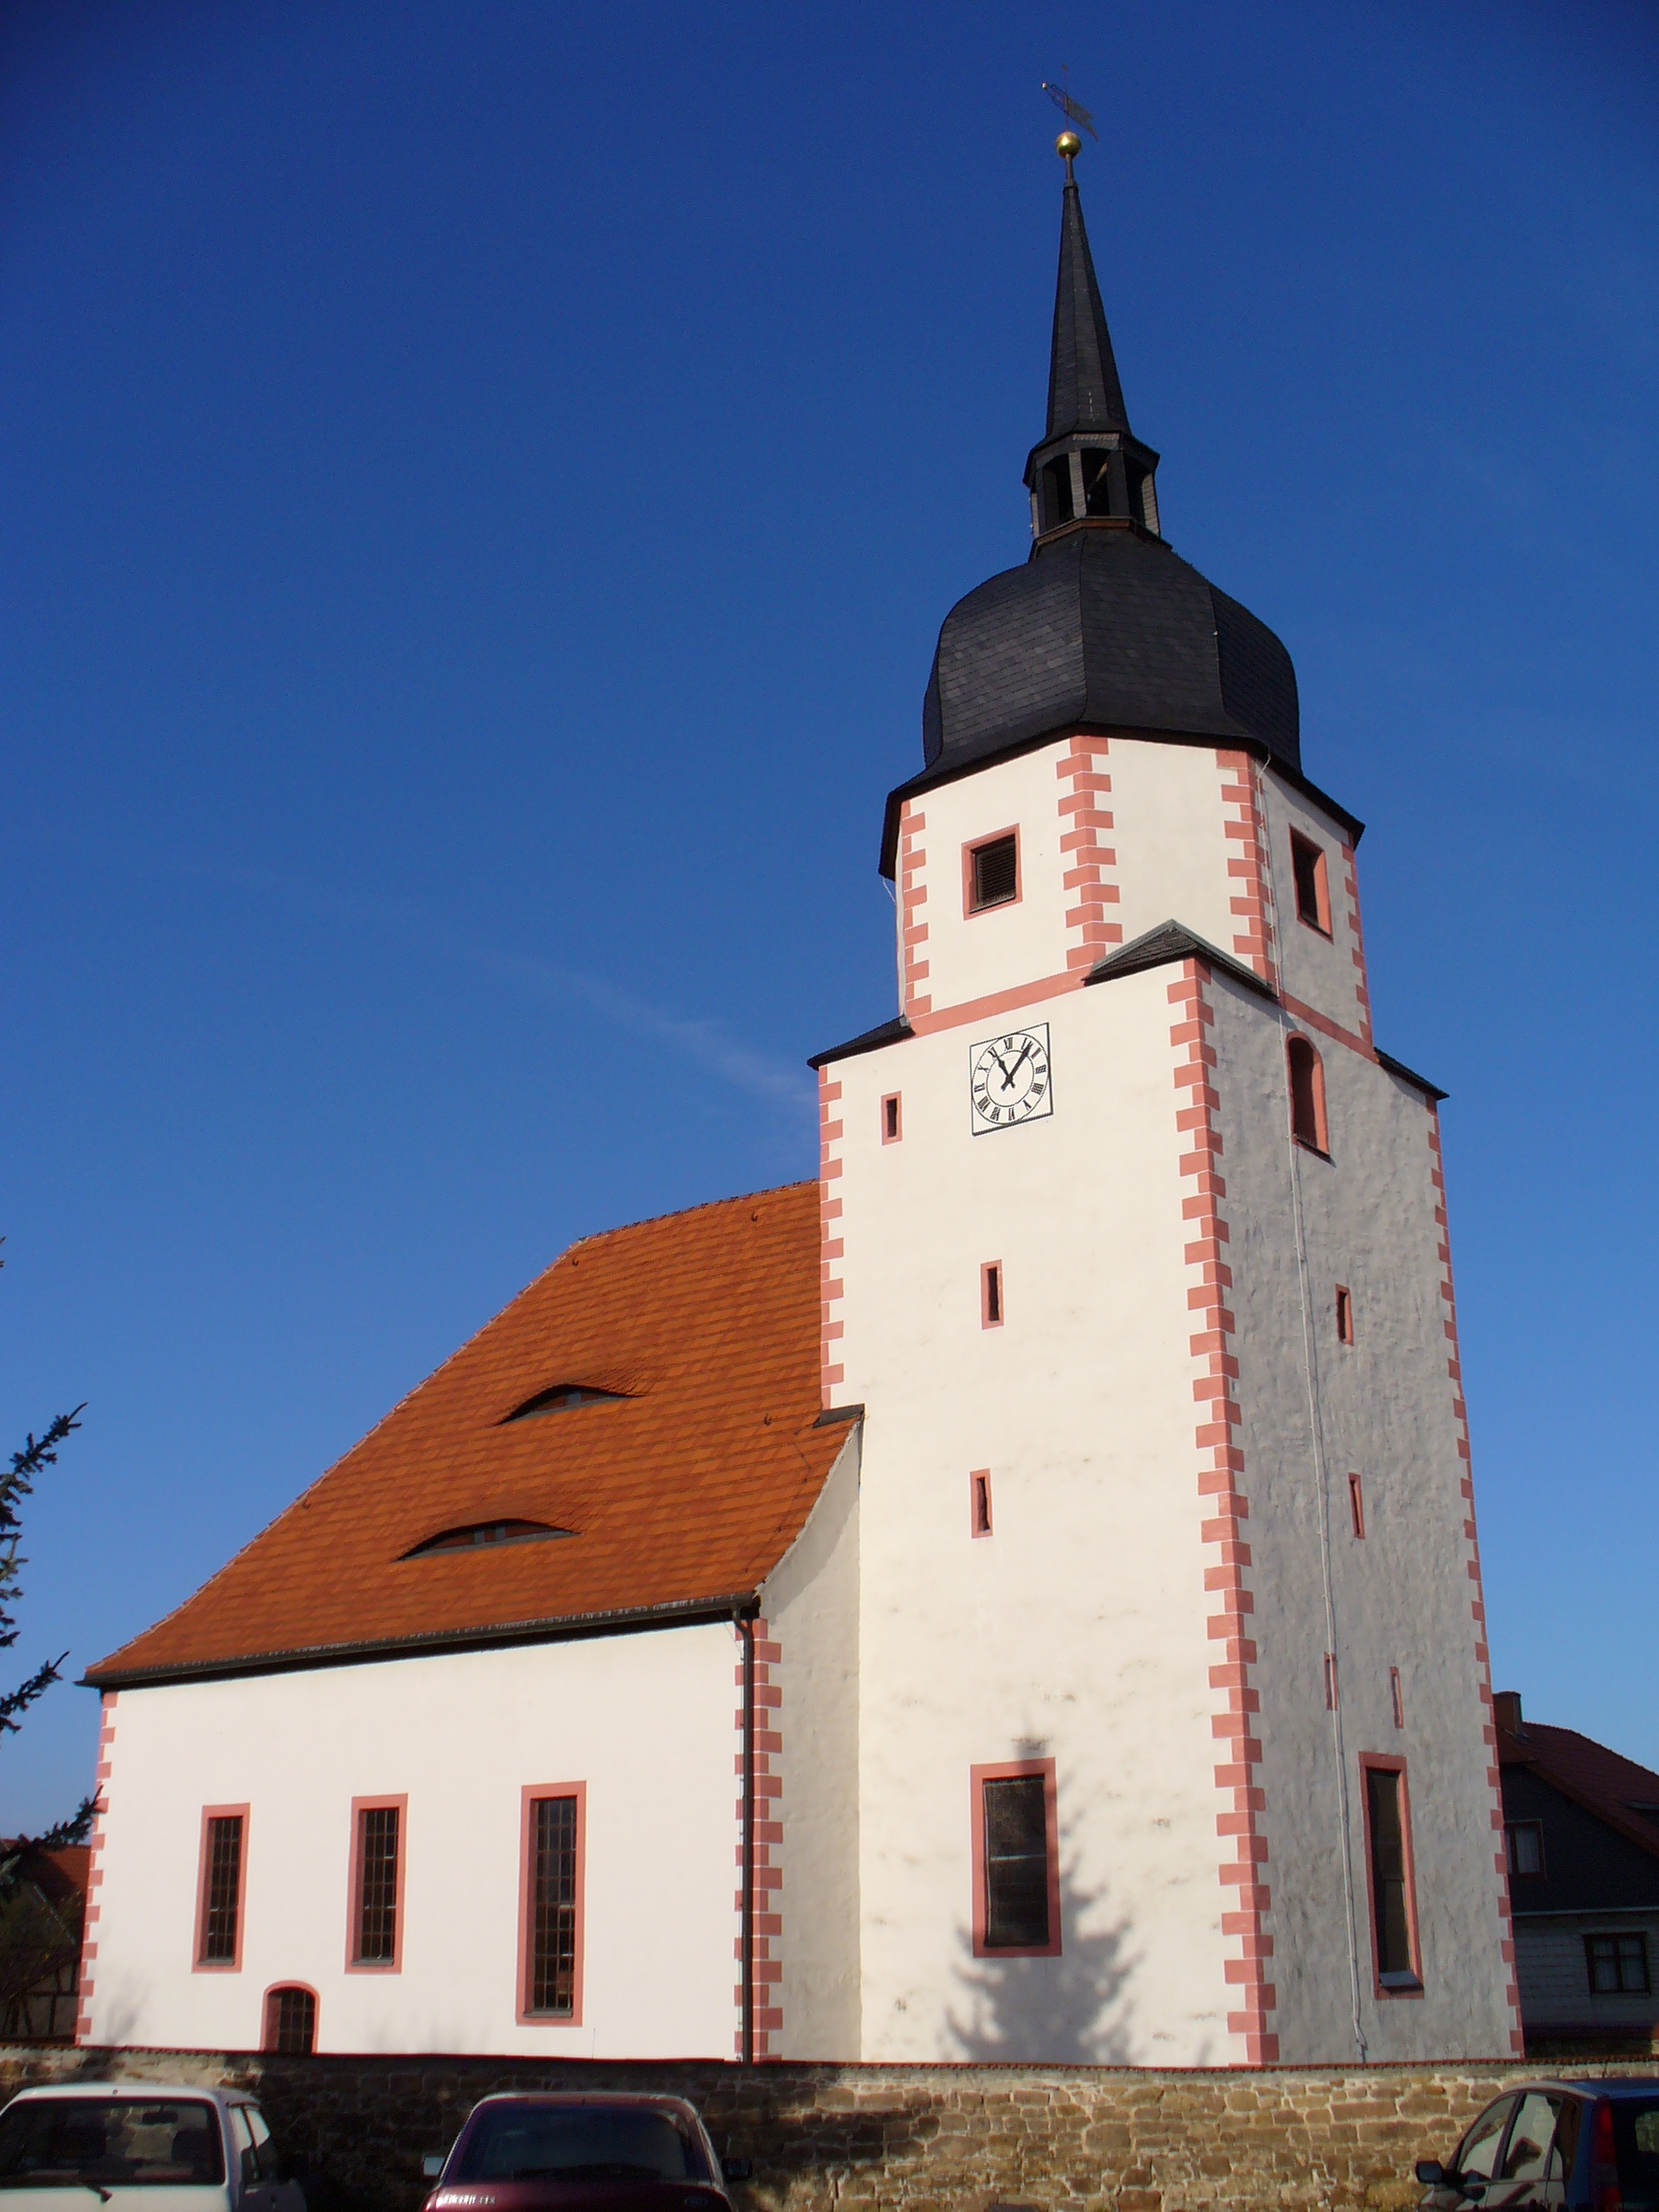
(1312, 895)
(992, 873)
(1618, 1965)
(1525, 1842)
(892, 1118)
(1344, 1315)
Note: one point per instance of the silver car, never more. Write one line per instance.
(141, 2147)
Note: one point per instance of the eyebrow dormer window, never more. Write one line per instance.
(992, 872)
(562, 1396)
(481, 1532)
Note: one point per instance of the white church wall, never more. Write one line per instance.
(1167, 832)
(643, 1721)
(811, 1603)
(1400, 1596)
(1076, 1630)
(970, 956)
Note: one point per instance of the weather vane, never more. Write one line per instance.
(1077, 118)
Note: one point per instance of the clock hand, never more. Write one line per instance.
(1009, 1073)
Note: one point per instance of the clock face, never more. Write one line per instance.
(1009, 1080)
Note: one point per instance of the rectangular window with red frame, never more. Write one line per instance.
(379, 1844)
(1388, 1861)
(551, 1883)
(220, 1881)
(1016, 1861)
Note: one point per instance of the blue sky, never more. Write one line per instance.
(481, 485)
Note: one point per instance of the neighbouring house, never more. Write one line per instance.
(1015, 1597)
(40, 1929)
(1581, 1831)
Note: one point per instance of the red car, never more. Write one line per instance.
(583, 2154)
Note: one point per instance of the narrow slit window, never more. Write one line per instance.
(1329, 1681)
(550, 1964)
(1016, 1905)
(1396, 1697)
(379, 1844)
(892, 1118)
(1307, 1076)
(979, 1501)
(1357, 1504)
(220, 1936)
(1388, 1841)
(992, 872)
(991, 1294)
(1312, 895)
(1523, 1840)
(1344, 1315)
(291, 2022)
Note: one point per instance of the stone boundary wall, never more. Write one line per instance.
(909, 2138)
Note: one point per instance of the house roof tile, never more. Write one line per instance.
(683, 1494)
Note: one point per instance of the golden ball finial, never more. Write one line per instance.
(1068, 145)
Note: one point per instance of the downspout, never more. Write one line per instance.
(745, 1626)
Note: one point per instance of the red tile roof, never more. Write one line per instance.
(684, 1495)
(1602, 1782)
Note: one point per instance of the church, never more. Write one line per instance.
(1014, 1598)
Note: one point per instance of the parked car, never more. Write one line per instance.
(142, 2148)
(1555, 2147)
(583, 2154)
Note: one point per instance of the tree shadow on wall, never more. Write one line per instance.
(1069, 2011)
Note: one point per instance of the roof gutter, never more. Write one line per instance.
(682, 1613)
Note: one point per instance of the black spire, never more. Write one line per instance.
(1090, 466)
(1083, 393)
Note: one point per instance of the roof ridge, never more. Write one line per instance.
(674, 1214)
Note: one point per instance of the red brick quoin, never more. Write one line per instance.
(912, 898)
(1084, 858)
(831, 1242)
(1222, 1464)
(95, 1874)
(768, 1836)
(1248, 867)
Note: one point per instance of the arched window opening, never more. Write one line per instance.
(1306, 1096)
(1057, 505)
(1097, 480)
(291, 2021)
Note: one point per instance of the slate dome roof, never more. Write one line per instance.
(1109, 626)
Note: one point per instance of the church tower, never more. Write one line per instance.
(1176, 1737)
